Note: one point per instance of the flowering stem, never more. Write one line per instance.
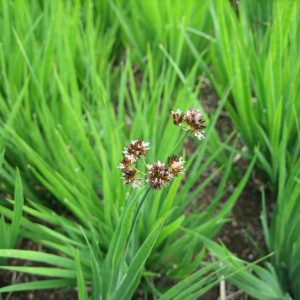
(143, 161)
(185, 127)
(140, 172)
(180, 142)
(140, 204)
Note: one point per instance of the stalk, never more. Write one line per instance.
(139, 206)
(180, 142)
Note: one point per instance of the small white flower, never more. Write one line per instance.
(136, 148)
(199, 135)
(127, 161)
(178, 116)
(177, 111)
(136, 183)
(158, 175)
(175, 165)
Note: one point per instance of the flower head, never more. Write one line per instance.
(127, 161)
(130, 177)
(131, 154)
(136, 148)
(158, 175)
(194, 121)
(175, 165)
(178, 116)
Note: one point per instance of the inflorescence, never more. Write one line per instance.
(131, 155)
(159, 174)
(192, 120)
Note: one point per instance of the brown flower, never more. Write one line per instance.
(136, 148)
(195, 120)
(158, 175)
(130, 177)
(175, 165)
(178, 116)
(126, 162)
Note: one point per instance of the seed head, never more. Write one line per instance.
(130, 177)
(178, 116)
(195, 120)
(175, 165)
(158, 175)
(136, 148)
(126, 162)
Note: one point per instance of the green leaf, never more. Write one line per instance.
(46, 258)
(18, 207)
(42, 271)
(82, 292)
(38, 285)
(137, 264)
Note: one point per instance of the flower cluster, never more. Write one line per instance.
(158, 174)
(136, 149)
(131, 154)
(175, 165)
(193, 120)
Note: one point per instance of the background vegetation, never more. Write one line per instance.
(81, 79)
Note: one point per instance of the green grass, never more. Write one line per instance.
(282, 233)
(80, 80)
(278, 278)
(257, 53)
(261, 64)
(67, 112)
(10, 232)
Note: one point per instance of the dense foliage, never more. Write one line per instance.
(80, 80)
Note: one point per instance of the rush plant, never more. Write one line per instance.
(10, 232)
(81, 80)
(278, 277)
(114, 260)
(145, 25)
(260, 63)
(66, 113)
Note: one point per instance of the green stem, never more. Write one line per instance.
(180, 142)
(143, 161)
(140, 204)
(143, 173)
